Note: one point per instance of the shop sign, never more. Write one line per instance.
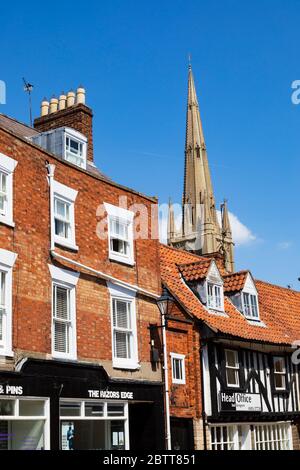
(236, 401)
(11, 390)
(110, 394)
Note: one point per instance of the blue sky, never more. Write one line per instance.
(132, 58)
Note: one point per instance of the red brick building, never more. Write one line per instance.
(78, 292)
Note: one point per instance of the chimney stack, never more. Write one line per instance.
(71, 111)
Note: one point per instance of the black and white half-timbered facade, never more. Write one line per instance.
(245, 332)
(251, 396)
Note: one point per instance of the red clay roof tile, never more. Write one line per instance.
(279, 307)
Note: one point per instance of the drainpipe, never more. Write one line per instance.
(166, 380)
(51, 170)
(203, 398)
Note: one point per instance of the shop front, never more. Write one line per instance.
(54, 405)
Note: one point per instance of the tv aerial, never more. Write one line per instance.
(28, 89)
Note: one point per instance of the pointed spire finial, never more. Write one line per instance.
(190, 61)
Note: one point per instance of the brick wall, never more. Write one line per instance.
(31, 278)
(183, 338)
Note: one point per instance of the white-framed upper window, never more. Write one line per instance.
(214, 288)
(232, 368)
(215, 296)
(178, 368)
(124, 329)
(7, 168)
(7, 261)
(250, 306)
(120, 234)
(279, 373)
(63, 313)
(64, 215)
(75, 148)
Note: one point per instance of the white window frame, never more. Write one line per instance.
(120, 293)
(7, 167)
(281, 374)
(105, 417)
(16, 416)
(236, 368)
(81, 139)
(67, 280)
(68, 196)
(125, 216)
(251, 314)
(273, 436)
(213, 304)
(7, 261)
(181, 358)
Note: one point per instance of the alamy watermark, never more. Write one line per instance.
(2, 92)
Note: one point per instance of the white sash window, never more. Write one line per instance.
(3, 308)
(120, 234)
(279, 373)
(63, 312)
(7, 168)
(250, 306)
(214, 296)
(75, 149)
(63, 217)
(3, 193)
(124, 332)
(232, 368)
(62, 320)
(7, 261)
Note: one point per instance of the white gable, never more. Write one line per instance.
(213, 274)
(249, 285)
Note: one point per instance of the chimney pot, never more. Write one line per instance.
(53, 105)
(62, 101)
(44, 107)
(70, 98)
(80, 95)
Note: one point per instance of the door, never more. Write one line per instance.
(182, 435)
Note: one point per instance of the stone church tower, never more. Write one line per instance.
(200, 232)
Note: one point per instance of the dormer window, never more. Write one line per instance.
(75, 151)
(65, 142)
(250, 306)
(214, 296)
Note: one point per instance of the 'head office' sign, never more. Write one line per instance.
(239, 401)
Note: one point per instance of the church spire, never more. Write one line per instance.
(199, 215)
(171, 222)
(227, 241)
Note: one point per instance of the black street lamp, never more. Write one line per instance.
(163, 304)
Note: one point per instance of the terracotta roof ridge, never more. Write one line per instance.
(179, 250)
(243, 271)
(277, 286)
(193, 263)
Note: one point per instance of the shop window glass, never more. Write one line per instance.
(7, 407)
(94, 409)
(31, 408)
(70, 409)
